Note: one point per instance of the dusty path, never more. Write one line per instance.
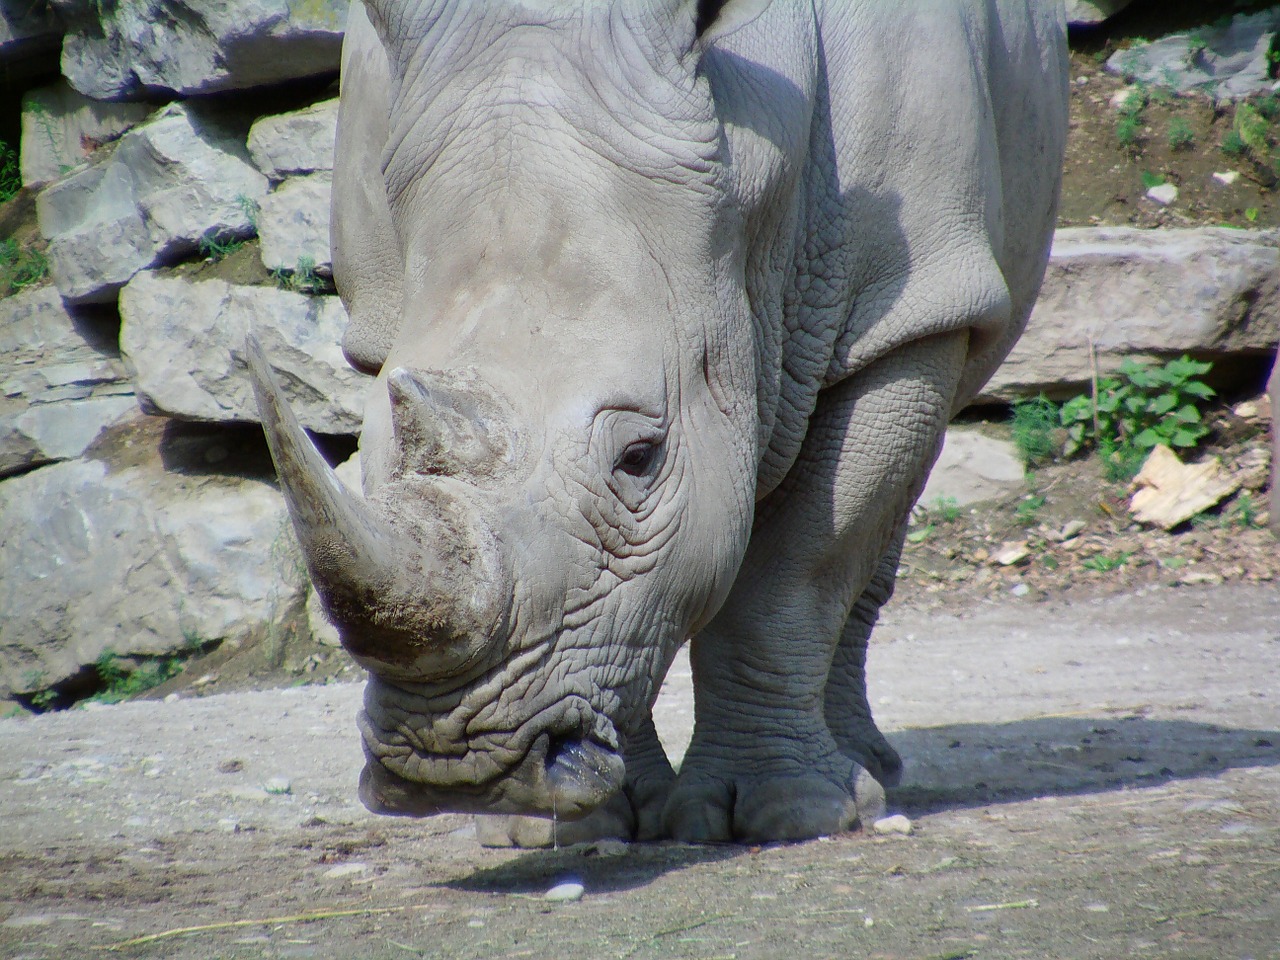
(1086, 780)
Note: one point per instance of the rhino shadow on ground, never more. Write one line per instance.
(536, 871)
(975, 764)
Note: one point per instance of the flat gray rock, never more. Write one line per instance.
(974, 467)
(61, 128)
(137, 561)
(61, 380)
(287, 144)
(168, 183)
(184, 47)
(1144, 294)
(294, 223)
(1227, 62)
(184, 341)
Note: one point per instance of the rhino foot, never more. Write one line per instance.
(754, 809)
(871, 751)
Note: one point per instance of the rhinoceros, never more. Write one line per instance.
(669, 304)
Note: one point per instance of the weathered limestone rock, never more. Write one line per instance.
(184, 47)
(168, 183)
(184, 340)
(61, 128)
(1226, 62)
(1086, 13)
(294, 223)
(61, 380)
(299, 142)
(139, 561)
(1144, 294)
(974, 467)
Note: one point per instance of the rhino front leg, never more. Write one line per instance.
(763, 764)
(847, 711)
(635, 813)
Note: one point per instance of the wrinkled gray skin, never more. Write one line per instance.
(669, 325)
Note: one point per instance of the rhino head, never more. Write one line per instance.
(560, 448)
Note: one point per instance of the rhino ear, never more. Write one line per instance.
(715, 19)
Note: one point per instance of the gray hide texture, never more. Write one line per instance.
(671, 303)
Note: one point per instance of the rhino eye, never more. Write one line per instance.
(637, 459)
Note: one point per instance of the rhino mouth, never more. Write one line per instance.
(565, 776)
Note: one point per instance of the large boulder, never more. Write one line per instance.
(62, 128)
(61, 380)
(183, 47)
(1119, 292)
(143, 560)
(180, 177)
(183, 339)
(287, 144)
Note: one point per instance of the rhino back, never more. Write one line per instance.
(898, 167)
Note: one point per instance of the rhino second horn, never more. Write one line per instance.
(388, 594)
(442, 429)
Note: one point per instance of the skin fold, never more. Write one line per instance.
(669, 304)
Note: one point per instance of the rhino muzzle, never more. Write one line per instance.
(566, 778)
(409, 587)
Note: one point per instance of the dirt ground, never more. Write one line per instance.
(1086, 778)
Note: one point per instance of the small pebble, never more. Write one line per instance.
(1011, 553)
(172, 698)
(565, 892)
(1020, 590)
(897, 824)
(1072, 528)
(1163, 194)
(1228, 178)
(229, 825)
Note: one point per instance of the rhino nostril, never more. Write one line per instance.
(582, 773)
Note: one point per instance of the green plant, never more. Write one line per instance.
(302, 278)
(214, 247)
(20, 267)
(1196, 45)
(1150, 180)
(122, 679)
(251, 210)
(1181, 136)
(1105, 563)
(946, 509)
(44, 699)
(1029, 509)
(1233, 144)
(1251, 214)
(1128, 130)
(1244, 511)
(1253, 129)
(1141, 407)
(10, 175)
(1035, 423)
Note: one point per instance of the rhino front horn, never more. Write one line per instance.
(401, 609)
